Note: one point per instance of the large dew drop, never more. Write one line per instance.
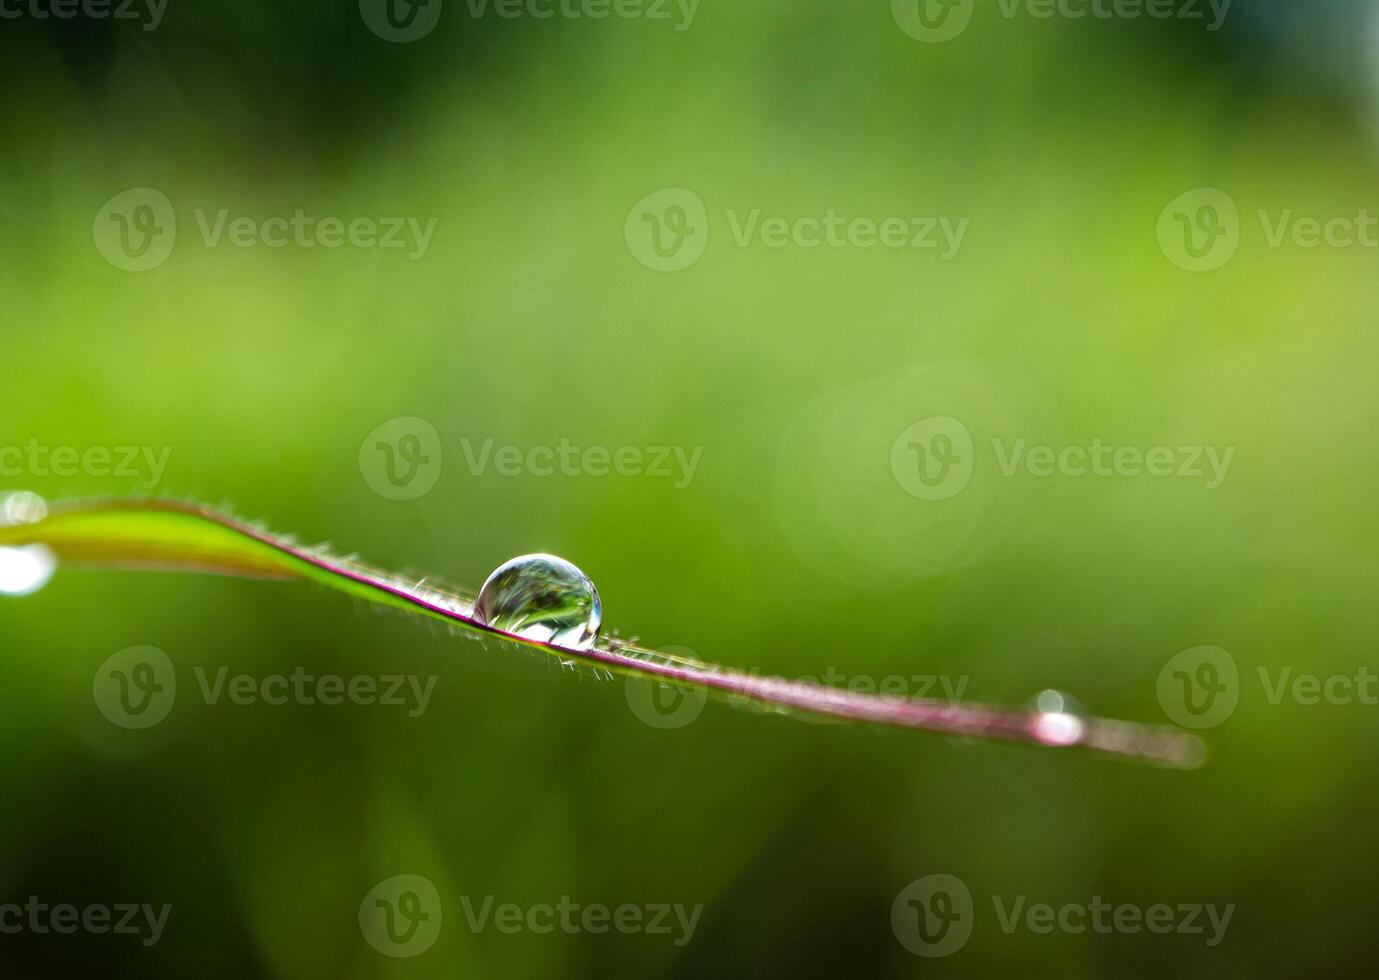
(1059, 719)
(542, 598)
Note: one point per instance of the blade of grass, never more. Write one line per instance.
(172, 535)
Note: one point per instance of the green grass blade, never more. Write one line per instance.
(171, 535)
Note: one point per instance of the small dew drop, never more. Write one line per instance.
(542, 598)
(1056, 702)
(1059, 719)
(22, 507)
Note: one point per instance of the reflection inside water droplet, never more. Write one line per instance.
(542, 598)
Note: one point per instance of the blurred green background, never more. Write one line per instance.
(796, 548)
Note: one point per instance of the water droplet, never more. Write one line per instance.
(23, 571)
(1059, 718)
(22, 507)
(26, 569)
(542, 598)
(1056, 702)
